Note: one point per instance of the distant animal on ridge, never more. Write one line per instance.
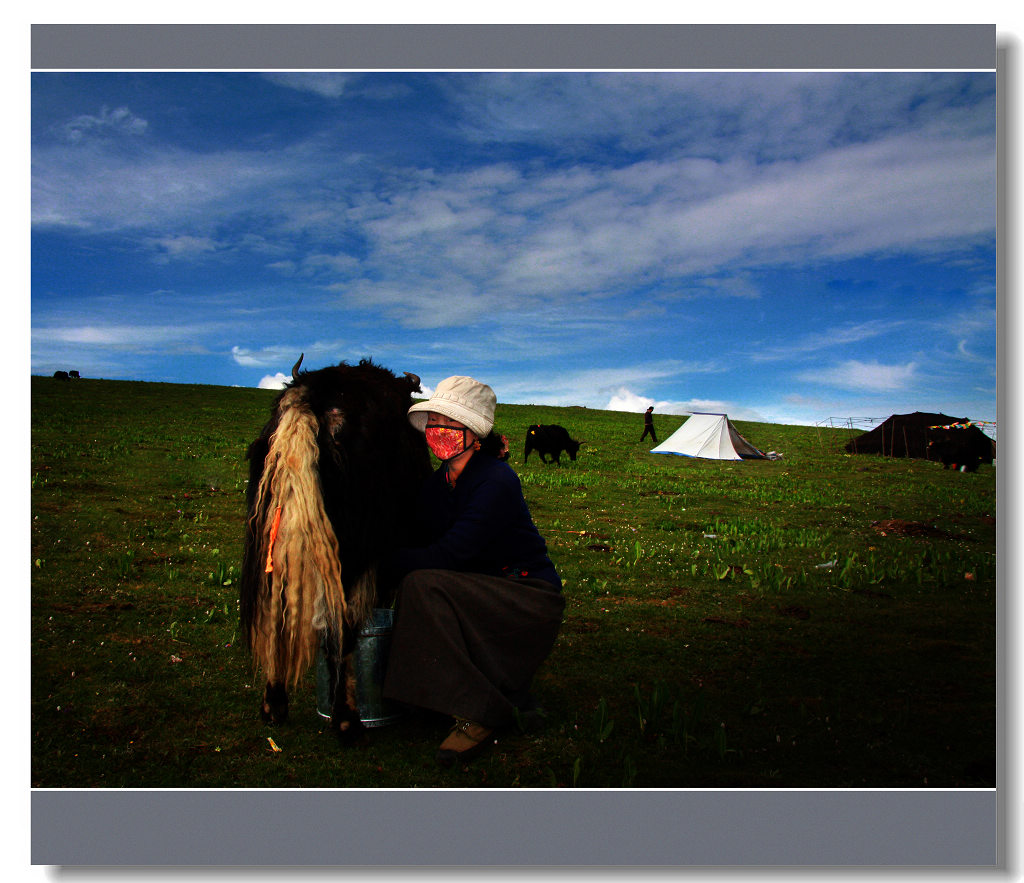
(61, 375)
(332, 478)
(549, 440)
(954, 451)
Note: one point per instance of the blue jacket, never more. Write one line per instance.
(481, 525)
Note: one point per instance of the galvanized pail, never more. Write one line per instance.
(370, 662)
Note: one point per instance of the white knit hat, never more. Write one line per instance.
(461, 398)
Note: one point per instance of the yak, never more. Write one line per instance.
(332, 479)
(549, 440)
(955, 452)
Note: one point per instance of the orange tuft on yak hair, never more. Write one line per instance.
(301, 597)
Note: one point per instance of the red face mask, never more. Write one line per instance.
(445, 441)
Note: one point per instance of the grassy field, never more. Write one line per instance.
(823, 620)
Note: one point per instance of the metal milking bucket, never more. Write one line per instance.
(369, 661)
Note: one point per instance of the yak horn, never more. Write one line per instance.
(413, 379)
(295, 367)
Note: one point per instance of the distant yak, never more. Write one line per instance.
(332, 479)
(549, 440)
(960, 449)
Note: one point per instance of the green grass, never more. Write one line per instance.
(822, 620)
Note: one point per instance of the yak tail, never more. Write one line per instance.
(300, 595)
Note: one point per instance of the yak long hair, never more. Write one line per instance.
(302, 592)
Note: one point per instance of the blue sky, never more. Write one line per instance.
(785, 247)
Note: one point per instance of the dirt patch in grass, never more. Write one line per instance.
(899, 527)
(739, 623)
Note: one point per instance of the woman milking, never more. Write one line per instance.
(479, 602)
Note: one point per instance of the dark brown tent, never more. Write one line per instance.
(908, 435)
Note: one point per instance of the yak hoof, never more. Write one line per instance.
(350, 731)
(274, 709)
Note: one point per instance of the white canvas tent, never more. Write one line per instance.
(711, 436)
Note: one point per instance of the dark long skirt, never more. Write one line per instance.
(468, 644)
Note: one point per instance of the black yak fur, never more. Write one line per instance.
(332, 478)
(959, 449)
(549, 441)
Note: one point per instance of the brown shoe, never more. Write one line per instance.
(465, 740)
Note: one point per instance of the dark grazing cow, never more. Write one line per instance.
(332, 477)
(74, 375)
(549, 440)
(61, 375)
(954, 452)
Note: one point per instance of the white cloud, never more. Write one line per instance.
(157, 189)
(268, 357)
(864, 376)
(591, 387)
(120, 121)
(313, 264)
(497, 235)
(965, 353)
(246, 358)
(274, 381)
(424, 303)
(778, 115)
(594, 231)
(627, 400)
(325, 84)
(113, 335)
(182, 245)
(829, 339)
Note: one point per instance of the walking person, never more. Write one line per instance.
(479, 602)
(649, 425)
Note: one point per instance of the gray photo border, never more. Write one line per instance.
(559, 828)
